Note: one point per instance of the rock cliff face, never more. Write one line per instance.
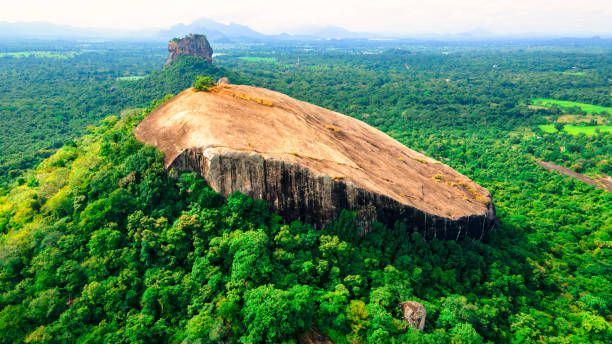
(190, 45)
(309, 163)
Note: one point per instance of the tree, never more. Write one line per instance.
(274, 316)
(203, 83)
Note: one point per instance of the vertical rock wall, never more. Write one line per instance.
(295, 193)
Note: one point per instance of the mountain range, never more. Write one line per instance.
(215, 31)
(235, 33)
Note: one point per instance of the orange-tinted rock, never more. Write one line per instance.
(314, 336)
(190, 45)
(414, 314)
(309, 163)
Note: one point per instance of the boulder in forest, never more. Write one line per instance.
(414, 313)
(314, 336)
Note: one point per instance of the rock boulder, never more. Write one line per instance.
(414, 313)
(309, 163)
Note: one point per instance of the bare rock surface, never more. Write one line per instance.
(309, 163)
(599, 182)
(190, 45)
(314, 336)
(414, 313)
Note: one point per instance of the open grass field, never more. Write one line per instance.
(588, 108)
(588, 130)
(572, 73)
(577, 129)
(47, 54)
(130, 78)
(547, 128)
(257, 59)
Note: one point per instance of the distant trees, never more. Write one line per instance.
(191, 35)
(273, 315)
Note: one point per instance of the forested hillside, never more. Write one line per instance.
(99, 244)
(48, 100)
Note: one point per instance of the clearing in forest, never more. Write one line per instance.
(588, 108)
(131, 78)
(257, 59)
(577, 129)
(582, 119)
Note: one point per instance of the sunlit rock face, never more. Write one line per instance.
(414, 314)
(191, 45)
(308, 163)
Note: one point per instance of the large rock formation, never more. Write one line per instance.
(309, 163)
(190, 45)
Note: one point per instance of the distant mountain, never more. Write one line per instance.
(219, 33)
(213, 30)
(331, 32)
(235, 32)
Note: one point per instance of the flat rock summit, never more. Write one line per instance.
(309, 163)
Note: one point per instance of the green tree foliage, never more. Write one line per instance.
(99, 244)
(273, 315)
(131, 254)
(70, 94)
(203, 83)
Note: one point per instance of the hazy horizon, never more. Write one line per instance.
(391, 17)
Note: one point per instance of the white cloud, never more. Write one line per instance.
(274, 16)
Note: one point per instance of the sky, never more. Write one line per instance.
(557, 17)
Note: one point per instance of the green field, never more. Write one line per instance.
(588, 108)
(130, 78)
(572, 73)
(48, 54)
(548, 128)
(257, 59)
(577, 129)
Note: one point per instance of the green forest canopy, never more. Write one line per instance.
(98, 244)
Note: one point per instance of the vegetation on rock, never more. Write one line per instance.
(203, 83)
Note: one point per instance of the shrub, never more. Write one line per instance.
(203, 83)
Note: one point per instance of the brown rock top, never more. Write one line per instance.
(314, 336)
(309, 163)
(190, 45)
(414, 314)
